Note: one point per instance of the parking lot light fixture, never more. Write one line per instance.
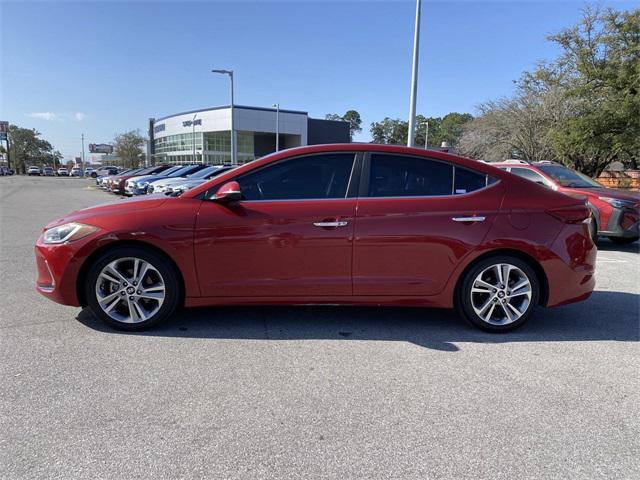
(234, 159)
(414, 80)
(277, 105)
(193, 136)
(426, 135)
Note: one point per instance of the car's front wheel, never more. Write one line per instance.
(132, 288)
(499, 293)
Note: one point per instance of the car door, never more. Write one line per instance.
(416, 218)
(291, 235)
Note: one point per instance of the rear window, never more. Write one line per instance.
(468, 181)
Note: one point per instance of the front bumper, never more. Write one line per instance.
(623, 222)
(58, 267)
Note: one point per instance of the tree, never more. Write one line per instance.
(26, 148)
(582, 109)
(517, 127)
(128, 146)
(350, 116)
(600, 69)
(447, 129)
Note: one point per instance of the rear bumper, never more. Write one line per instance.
(571, 273)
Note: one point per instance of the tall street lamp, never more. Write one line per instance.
(234, 159)
(277, 105)
(414, 79)
(426, 136)
(193, 136)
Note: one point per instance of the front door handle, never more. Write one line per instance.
(330, 224)
(468, 219)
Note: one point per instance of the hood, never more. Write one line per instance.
(170, 181)
(146, 178)
(190, 183)
(607, 192)
(119, 207)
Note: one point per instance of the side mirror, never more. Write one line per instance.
(229, 192)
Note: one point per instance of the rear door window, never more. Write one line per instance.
(405, 176)
(469, 181)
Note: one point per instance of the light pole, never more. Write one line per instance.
(414, 79)
(193, 136)
(234, 159)
(83, 150)
(426, 136)
(277, 105)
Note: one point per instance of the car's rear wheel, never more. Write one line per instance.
(499, 293)
(623, 240)
(132, 288)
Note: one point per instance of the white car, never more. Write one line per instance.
(33, 170)
(63, 172)
(75, 172)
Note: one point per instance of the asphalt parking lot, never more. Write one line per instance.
(309, 392)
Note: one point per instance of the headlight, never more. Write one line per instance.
(68, 232)
(618, 203)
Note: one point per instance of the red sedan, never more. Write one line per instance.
(352, 224)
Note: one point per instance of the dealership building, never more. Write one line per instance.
(205, 135)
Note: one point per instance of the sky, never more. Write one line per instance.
(101, 68)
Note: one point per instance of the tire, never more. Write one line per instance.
(623, 240)
(111, 277)
(497, 315)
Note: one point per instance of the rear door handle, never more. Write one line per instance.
(468, 219)
(330, 224)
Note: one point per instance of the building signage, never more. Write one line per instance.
(158, 128)
(4, 129)
(101, 148)
(189, 123)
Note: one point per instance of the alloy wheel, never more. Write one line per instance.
(130, 290)
(501, 294)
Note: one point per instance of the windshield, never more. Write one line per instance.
(169, 171)
(204, 172)
(568, 177)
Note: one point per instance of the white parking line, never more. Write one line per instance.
(605, 259)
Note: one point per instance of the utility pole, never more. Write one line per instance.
(414, 79)
(277, 105)
(193, 137)
(234, 155)
(426, 137)
(82, 151)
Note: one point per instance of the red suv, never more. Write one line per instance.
(353, 224)
(616, 213)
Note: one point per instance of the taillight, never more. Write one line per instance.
(574, 214)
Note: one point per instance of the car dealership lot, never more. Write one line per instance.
(309, 392)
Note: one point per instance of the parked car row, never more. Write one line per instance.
(166, 179)
(47, 171)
